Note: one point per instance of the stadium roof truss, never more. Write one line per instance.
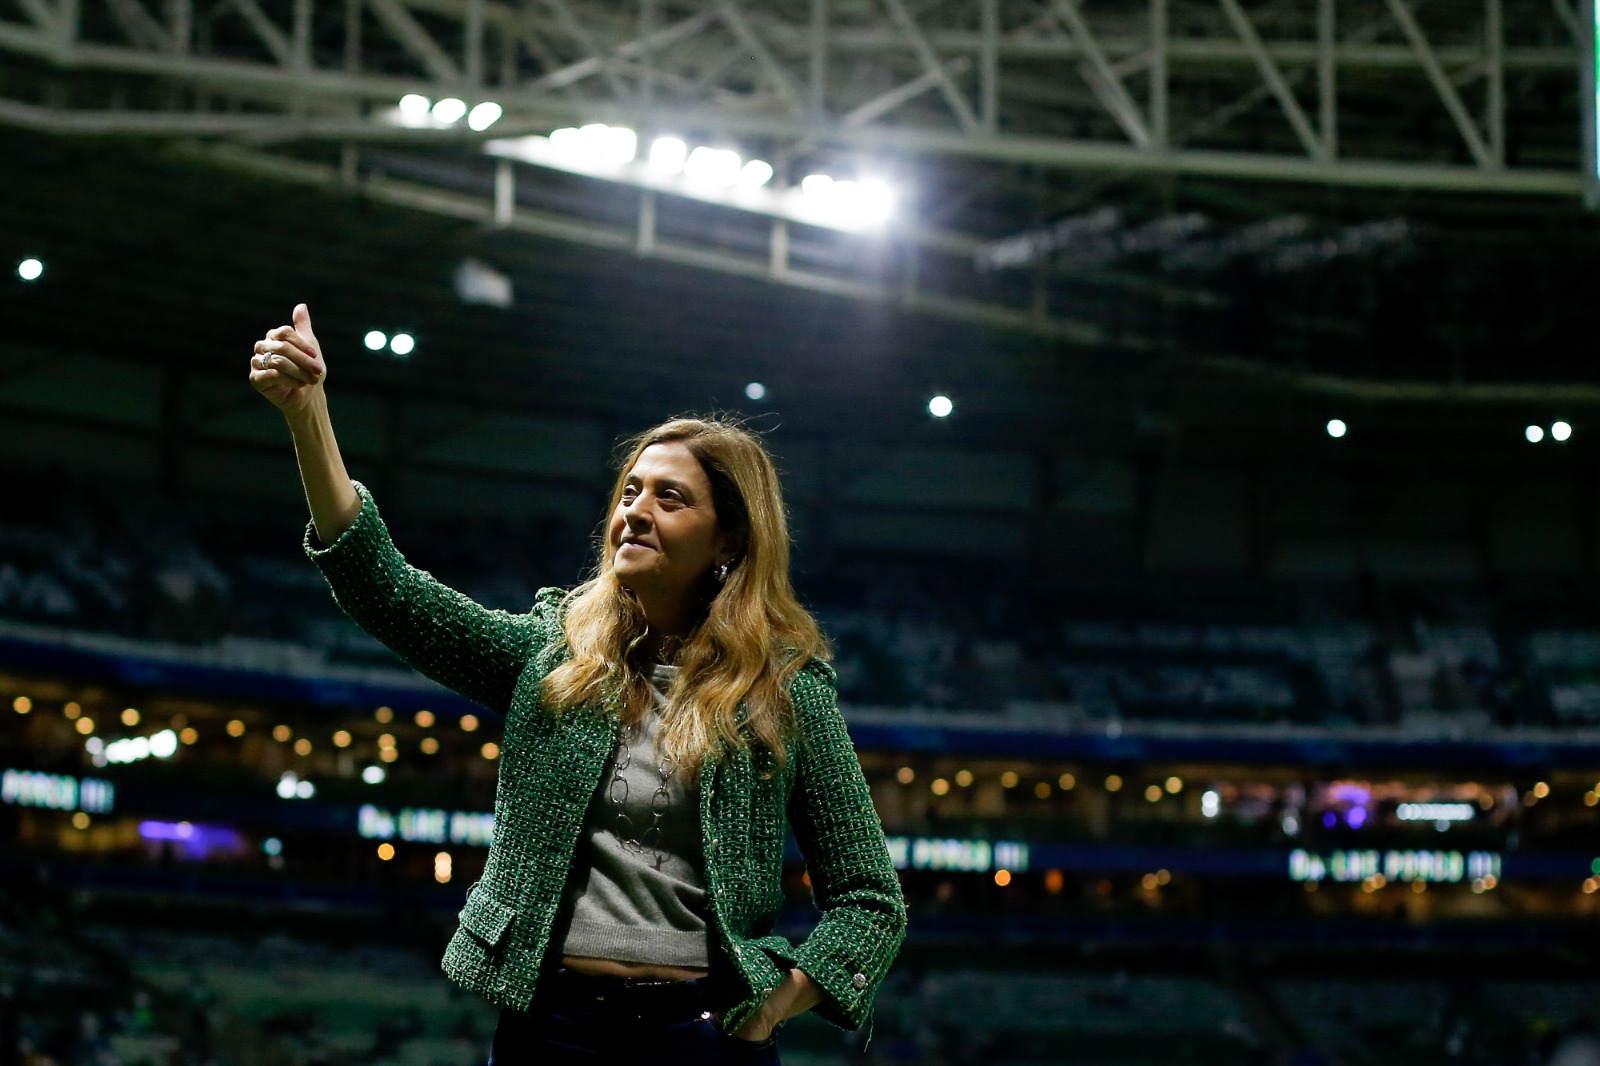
(994, 117)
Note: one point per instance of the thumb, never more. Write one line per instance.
(302, 320)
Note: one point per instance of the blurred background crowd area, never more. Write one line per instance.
(120, 976)
(926, 633)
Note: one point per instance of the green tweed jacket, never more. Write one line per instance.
(550, 766)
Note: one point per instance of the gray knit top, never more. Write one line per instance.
(637, 891)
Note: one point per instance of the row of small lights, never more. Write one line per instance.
(130, 716)
(443, 863)
(1378, 882)
(388, 750)
(1055, 881)
(1559, 431)
(418, 110)
(906, 775)
(940, 786)
(401, 344)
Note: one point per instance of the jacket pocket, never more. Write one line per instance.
(487, 920)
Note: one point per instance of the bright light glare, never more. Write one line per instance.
(714, 166)
(1336, 427)
(597, 143)
(667, 155)
(483, 116)
(853, 203)
(449, 110)
(30, 269)
(375, 340)
(1560, 431)
(1535, 434)
(1210, 803)
(755, 390)
(414, 106)
(402, 344)
(940, 407)
(164, 744)
(755, 174)
(876, 201)
(373, 775)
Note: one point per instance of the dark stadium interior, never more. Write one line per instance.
(1201, 734)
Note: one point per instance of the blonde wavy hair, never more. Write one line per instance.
(753, 637)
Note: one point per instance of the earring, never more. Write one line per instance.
(720, 572)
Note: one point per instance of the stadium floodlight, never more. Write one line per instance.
(484, 115)
(30, 269)
(940, 407)
(595, 146)
(816, 185)
(755, 174)
(1560, 431)
(713, 166)
(847, 204)
(755, 390)
(375, 340)
(667, 155)
(413, 105)
(402, 344)
(450, 110)
(1337, 428)
(710, 175)
(1535, 434)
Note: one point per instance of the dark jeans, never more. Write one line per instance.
(576, 1019)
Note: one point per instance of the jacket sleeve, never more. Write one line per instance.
(444, 635)
(852, 878)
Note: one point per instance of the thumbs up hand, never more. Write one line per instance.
(287, 367)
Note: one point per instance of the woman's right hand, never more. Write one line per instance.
(287, 366)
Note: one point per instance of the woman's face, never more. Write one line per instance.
(663, 535)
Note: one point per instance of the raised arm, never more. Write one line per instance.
(444, 635)
(289, 370)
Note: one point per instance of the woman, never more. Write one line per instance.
(665, 723)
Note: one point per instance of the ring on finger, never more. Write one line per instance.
(266, 361)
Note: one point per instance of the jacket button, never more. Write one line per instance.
(858, 982)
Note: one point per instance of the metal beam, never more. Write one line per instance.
(1441, 84)
(39, 11)
(416, 40)
(640, 47)
(1038, 151)
(930, 62)
(1270, 74)
(1382, 391)
(268, 33)
(776, 75)
(1103, 81)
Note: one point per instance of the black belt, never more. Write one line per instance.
(643, 998)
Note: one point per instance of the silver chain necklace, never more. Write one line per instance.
(627, 832)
